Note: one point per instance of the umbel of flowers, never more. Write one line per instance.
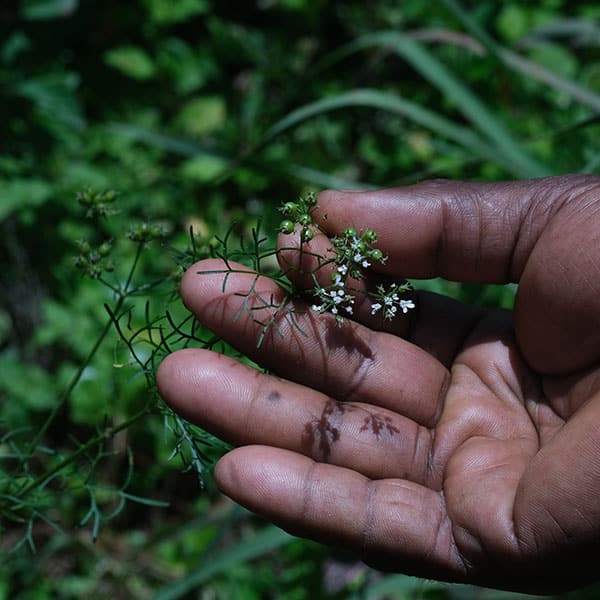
(354, 253)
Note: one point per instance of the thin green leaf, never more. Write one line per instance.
(518, 63)
(142, 500)
(265, 541)
(441, 77)
(395, 104)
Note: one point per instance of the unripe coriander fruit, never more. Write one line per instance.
(307, 235)
(376, 254)
(369, 236)
(286, 226)
(311, 199)
(104, 249)
(289, 209)
(349, 231)
(83, 246)
(305, 220)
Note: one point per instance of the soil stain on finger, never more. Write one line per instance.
(320, 434)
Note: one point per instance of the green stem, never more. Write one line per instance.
(67, 393)
(125, 290)
(122, 294)
(108, 433)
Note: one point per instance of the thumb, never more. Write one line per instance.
(544, 234)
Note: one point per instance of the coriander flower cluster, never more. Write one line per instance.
(335, 298)
(354, 253)
(389, 301)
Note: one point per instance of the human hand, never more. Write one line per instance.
(455, 443)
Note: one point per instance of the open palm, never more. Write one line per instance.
(459, 444)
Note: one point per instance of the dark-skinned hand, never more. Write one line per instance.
(454, 442)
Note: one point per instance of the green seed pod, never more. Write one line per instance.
(81, 262)
(104, 249)
(307, 235)
(311, 199)
(369, 236)
(349, 232)
(286, 226)
(289, 209)
(83, 246)
(305, 220)
(376, 254)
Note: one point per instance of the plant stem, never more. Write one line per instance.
(122, 295)
(108, 433)
(72, 384)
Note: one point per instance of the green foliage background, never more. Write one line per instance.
(203, 114)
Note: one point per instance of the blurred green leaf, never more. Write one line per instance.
(132, 61)
(38, 394)
(264, 541)
(202, 116)
(18, 194)
(167, 12)
(48, 9)
(520, 64)
(555, 57)
(202, 168)
(55, 96)
(465, 100)
(190, 69)
(401, 106)
(16, 43)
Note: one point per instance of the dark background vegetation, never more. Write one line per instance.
(203, 114)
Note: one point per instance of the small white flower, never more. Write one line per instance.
(343, 269)
(395, 297)
(333, 293)
(334, 310)
(366, 264)
(375, 307)
(406, 304)
(388, 301)
(317, 308)
(358, 257)
(338, 300)
(348, 309)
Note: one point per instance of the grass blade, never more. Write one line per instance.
(518, 63)
(393, 103)
(266, 540)
(463, 98)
